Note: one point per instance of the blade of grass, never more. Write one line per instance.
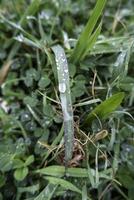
(47, 193)
(84, 192)
(116, 156)
(87, 102)
(31, 189)
(112, 45)
(92, 40)
(105, 108)
(63, 183)
(85, 35)
(120, 191)
(96, 169)
(31, 10)
(54, 143)
(90, 175)
(64, 89)
(59, 171)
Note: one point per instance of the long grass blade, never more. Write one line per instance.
(81, 45)
(59, 171)
(64, 89)
(113, 45)
(92, 40)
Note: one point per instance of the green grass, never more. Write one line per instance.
(95, 159)
(66, 103)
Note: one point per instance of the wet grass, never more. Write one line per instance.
(86, 96)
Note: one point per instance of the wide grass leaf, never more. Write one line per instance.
(65, 97)
(59, 171)
(63, 183)
(105, 108)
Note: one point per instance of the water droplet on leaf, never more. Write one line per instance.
(20, 38)
(66, 70)
(62, 87)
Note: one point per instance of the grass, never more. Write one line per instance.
(94, 161)
(66, 104)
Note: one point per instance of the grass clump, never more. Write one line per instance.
(99, 50)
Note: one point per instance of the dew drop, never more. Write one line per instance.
(20, 38)
(47, 14)
(42, 196)
(47, 122)
(63, 60)
(31, 126)
(68, 141)
(66, 70)
(17, 26)
(25, 117)
(30, 17)
(128, 149)
(62, 87)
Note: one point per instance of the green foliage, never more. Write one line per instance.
(47, 193)
(63, 183)
(87, 39)
(99, 47)
(71, 172)
(105, 108)
(20, 173)
(66, 102)
(44, 82)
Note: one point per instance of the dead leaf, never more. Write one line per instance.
(4, 71)
(101, 135)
